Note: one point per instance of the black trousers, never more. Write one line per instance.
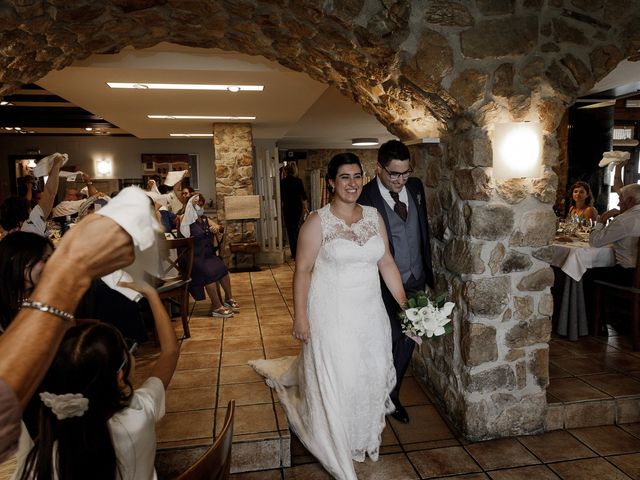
(292, 224)
(402, 346)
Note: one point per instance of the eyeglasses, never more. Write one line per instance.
(132, 349)
(397, 175)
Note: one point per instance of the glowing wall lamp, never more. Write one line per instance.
(103, 167)
(517, 147)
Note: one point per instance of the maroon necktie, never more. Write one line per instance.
(400, 207)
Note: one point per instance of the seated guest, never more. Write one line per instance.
(581, 202)
(92, 423)
(622, 233)
(72, 200)
(208, 268)
(95, 248)
(16, 212)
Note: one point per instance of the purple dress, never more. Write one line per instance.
(207, 266)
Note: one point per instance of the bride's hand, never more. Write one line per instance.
(301, 330)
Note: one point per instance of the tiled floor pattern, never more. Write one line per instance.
(212, 369)
(594, 381)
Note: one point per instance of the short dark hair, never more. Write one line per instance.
(336, 162)
(392, 150)
(13, 211)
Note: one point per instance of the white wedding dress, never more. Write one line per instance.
(336, 392)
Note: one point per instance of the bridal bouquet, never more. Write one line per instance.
(425, 318)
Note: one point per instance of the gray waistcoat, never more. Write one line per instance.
(405, 237)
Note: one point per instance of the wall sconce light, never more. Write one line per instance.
(104, 167)
(517, 148)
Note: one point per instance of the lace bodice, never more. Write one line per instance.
(359, 232)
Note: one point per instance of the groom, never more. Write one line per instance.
(401, 202)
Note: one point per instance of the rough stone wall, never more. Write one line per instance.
(233, 161)
(414, 65)
(491, 374)
(441, 68)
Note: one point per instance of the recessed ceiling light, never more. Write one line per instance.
(17, 128)
(187, 86)
(202, 117)
(5, 102)
(88, 129)
(364, 142)
(8, 128)
(191, 134)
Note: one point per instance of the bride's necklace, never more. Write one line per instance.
(354, 216)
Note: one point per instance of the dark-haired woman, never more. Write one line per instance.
(92, 423)
(582, 202)
(336, 392)
(208, 268)
(22, 257)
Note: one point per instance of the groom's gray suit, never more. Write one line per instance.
(410, 247)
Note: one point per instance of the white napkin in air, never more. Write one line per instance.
(72, 176)
(174, 177)
(132, 210)
(189, 217)
(615, 156)
(44, 165)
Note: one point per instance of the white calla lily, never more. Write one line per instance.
(412, 314)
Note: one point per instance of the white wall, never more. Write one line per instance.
(125, 152)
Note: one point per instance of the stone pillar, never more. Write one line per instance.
(492, 372)
(233, 163)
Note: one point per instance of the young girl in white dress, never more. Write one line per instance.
(92, 423)
(336, 392)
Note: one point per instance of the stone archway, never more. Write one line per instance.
(445, 68)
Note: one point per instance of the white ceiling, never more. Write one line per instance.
(293, 109)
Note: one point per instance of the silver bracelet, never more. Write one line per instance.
(43, 307)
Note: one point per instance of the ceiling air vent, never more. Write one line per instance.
(632, 104)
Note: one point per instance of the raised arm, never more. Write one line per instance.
(95, 247)
(309, 242)
(165, 365)
(51, 187)
(92, 190)
(389, 269)
(617, 176)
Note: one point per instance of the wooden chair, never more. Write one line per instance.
(624, 294)
(176, 278)
(215, 464)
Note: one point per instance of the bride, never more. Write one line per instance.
(336, 392)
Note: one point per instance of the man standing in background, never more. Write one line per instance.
(294, 204)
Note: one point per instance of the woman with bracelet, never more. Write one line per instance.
(92, 423)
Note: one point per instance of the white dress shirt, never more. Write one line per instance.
(622, 232)
(384, 191)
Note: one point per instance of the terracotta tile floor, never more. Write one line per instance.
(213, 369)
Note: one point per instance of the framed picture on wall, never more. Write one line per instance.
(162, 163)
(149, 166)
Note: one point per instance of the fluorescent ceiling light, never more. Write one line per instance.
(201, 117)
(364, 142)
(191, 134)
(187, 86)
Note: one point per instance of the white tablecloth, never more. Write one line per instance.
(574, 259)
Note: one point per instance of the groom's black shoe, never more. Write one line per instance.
(400, 414)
